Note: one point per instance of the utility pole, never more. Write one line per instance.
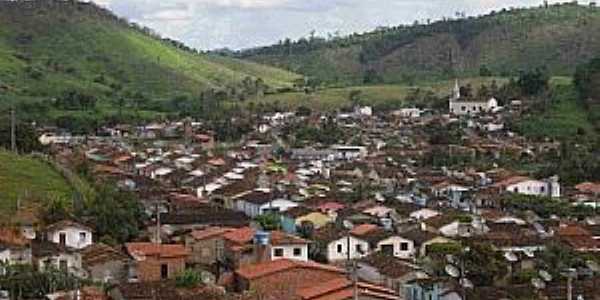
(13, 130)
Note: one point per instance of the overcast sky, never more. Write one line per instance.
(237, 24)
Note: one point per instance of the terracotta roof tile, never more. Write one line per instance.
(153, 249)
(210, 232)
(240, 236)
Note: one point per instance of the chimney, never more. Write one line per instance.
(262, 247)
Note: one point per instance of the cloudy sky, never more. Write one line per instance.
(237, 24)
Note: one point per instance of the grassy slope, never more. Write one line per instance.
(30, 180)
(71, 45)
(559, 38)
(331, 99)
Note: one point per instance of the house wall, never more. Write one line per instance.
(334, 255)
(16, 256)
(288, 252)
(149, 269)
(73, 262)
(397, 243)
(468, 108)
(205, 251)
(532, 187)
(113, 271)
(250, 209)
(73, 238)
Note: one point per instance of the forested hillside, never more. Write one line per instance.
(498, 44)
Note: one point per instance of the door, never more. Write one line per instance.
(164, 271)
(62, 239)
(387, 249)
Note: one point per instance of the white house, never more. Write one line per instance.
(458, 106)
(285, 246)
(397, 246)
(70, 234)
(549, 187)
(259, 202)
(338, 249)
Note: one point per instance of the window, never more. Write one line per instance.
(463, 108)
(297, 251)
(542, 189)
(516, 189)
(63, 265)
(278, 252)
(82, 236)
(164, 271)
(359, 248)
(339, 248)
(404, 246)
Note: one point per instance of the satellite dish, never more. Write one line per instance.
(511, 256)
(545, 275)
(466, 283)
(452, 271)
(538, 284)
(348, 225)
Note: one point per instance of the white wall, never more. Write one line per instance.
(333, 254)
(535, 188)
(288, 252)
(73, 239)
(397, 241)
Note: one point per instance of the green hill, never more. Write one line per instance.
(498, 44)
(30, 180)
(48, 47)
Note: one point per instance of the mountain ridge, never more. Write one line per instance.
(500, 43)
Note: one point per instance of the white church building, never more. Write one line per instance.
(460, 107)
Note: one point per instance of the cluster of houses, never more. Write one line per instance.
(350, 221)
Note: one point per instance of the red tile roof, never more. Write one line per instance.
(363, 229)
(240, 236)
(271, 267)
(154, 249)
(281, 238)
(210, 232)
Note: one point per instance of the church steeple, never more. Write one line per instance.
(456, 92)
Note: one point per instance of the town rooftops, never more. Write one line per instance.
(271, 267)
(138, 250)
(210, 232)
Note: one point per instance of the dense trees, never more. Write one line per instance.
(26, 282)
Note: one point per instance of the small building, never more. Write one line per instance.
(153, 261)
(104, 263)
(69, 234)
